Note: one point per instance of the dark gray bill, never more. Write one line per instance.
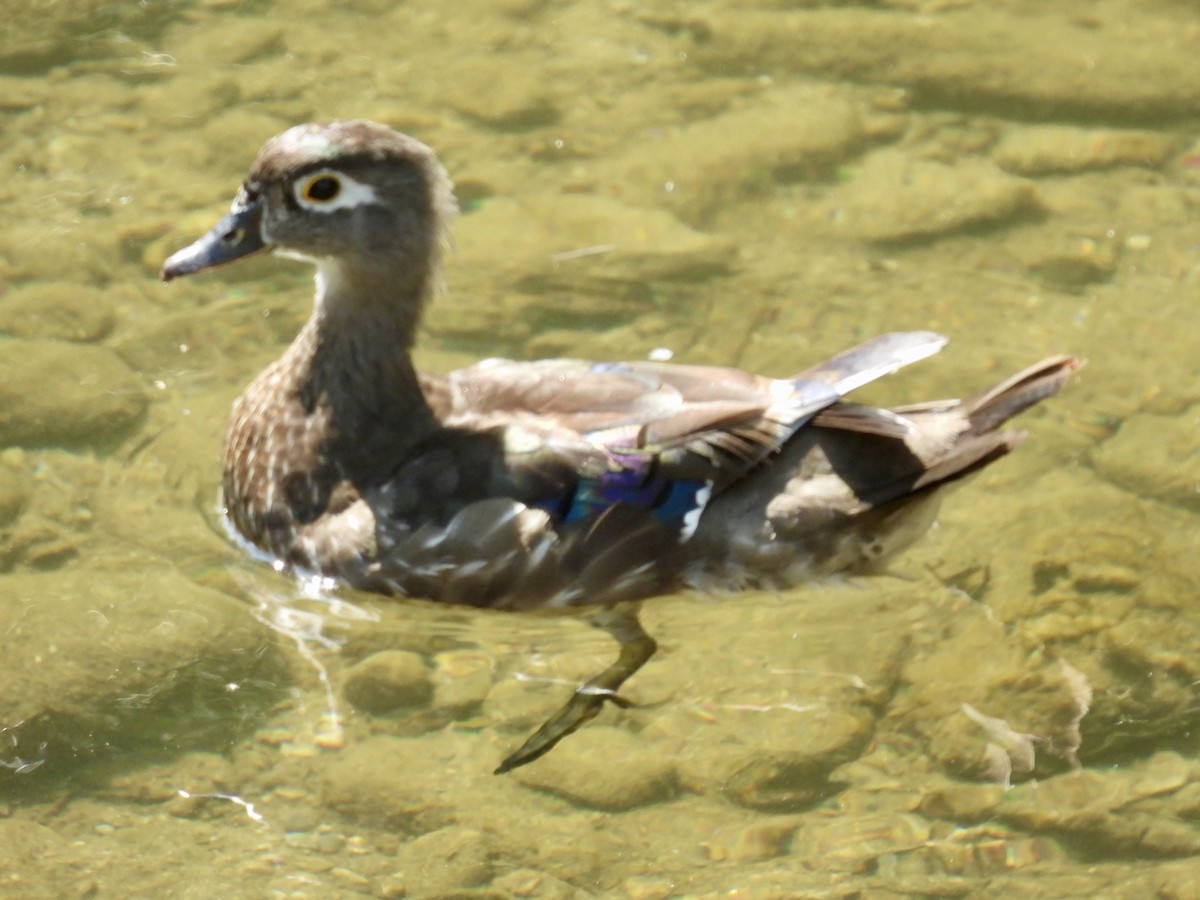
(236, 235)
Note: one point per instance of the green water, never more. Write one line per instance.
(757, 185)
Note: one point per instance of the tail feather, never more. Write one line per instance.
(873, 359)
(980, 442)
(989, 410)
(970, 454)
(860, 484)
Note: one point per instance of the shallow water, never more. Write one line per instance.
(758, 185)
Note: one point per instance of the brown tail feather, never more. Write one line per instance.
(981, 444)
(968, 455)
(989, 410)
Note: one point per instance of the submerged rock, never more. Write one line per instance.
(1053, 149)
(442, 863)
(978, 58)
(384, 782)
(1127, 811)
(783, 135)
(68, 395)
(64, 310)
(583, 770)
(894, 197)
(386, 681)
(1156, 456)
(99, 661)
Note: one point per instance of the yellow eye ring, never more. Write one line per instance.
(321, 188)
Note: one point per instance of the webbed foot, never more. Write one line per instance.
(636, 648)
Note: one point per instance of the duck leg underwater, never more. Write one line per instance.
(636, 649)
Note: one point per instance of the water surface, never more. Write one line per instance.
(757, 185)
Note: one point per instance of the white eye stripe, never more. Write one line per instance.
(350, 192)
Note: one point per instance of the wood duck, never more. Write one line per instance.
(558, 484)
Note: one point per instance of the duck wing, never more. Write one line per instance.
(652, 434)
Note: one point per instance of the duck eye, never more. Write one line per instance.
(321, 188)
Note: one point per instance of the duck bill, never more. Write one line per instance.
(238, 234)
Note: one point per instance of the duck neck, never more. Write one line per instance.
(358, 342)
